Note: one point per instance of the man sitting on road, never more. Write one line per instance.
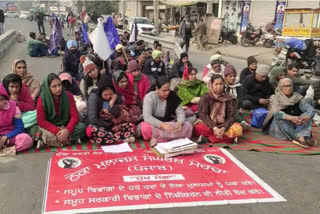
(215, 67)
(256, 90)
(252, 67)
(35, 47)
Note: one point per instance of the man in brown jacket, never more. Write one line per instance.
(200, 31)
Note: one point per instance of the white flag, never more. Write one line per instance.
(134, 33)
(100, 42)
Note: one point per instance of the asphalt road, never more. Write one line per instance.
(22, 178)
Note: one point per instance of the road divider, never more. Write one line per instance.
(6, 41)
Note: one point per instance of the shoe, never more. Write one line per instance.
(300, 143)
(235, 141)
(40, 144)
(202, 139)
(245, 126)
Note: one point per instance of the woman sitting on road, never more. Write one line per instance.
(18, 92)
(178, 70)
(108, 120)
(90, 78)
(138, 79)
(191, 89)
(129, 98)
(70, 85)
(11, 125)
(160, 108)
(290, 116)
(217, 111)
(19, 67)
(57, 115)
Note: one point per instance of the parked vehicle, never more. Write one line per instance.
(268, 40)
(229, 35)
(24, 15)
(11, 14)
(251, 37)
(144, 25)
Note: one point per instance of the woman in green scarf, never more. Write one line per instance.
(191, 89)
(57, 115)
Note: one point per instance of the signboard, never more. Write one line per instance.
(214, 26)
(245, 15)
(93, 181)
(279, 14)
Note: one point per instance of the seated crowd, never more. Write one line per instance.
(135, 94)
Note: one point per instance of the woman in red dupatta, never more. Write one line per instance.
(217, 111)
(129, 97)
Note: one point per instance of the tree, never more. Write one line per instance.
(102, 7)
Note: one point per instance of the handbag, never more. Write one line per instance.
(258, 117)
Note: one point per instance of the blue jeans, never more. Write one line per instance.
(39, 50)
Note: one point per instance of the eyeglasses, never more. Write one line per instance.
(286, 86)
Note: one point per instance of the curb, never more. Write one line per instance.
(6, 41)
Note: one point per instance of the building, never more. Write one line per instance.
(236, 13)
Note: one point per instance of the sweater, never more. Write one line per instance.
(154, 108)
(25, 101)
(143, 85)
(253, 90)
(31, 43)
(44, 123)
(205, 108)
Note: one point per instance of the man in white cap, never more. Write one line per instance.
(120, 63)
(256, 89)
(215, 67)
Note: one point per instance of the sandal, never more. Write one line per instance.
(311, 141)
(300, 143)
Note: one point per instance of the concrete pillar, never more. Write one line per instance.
(156, 15)
(209, 7)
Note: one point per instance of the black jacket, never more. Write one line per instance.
(253, 90)
(2, 18)
(244, 73)
(154, 69)
(71, 62)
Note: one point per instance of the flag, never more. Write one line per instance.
(56, 35)
(84, 33)
(100, 41)
(111, 33)
(134, 33)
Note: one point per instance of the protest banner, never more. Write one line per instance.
(93, 181)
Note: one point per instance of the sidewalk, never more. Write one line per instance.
(262, 54)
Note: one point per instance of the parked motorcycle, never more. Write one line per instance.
(268, 40)
(251, 37)
(229, 35)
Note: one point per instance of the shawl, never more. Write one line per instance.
(232, 89)
(27, 79)
(136, 80)
(49, 107)
(279, 101)
(128, 93)
(218, 110)
(187, 90)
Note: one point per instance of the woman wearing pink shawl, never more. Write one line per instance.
(19, 67)
(128, 94)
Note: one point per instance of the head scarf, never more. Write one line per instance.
(71, 43)
(216, 58)
(283, 100)
(156, 54)
(49, 108)
(218, 111)
(127, 93)
(27, 78)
